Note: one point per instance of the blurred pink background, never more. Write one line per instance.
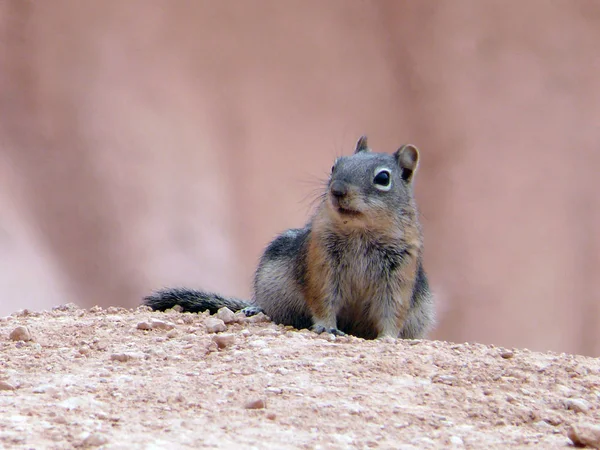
(158, 143)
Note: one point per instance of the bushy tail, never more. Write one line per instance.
(192, 300)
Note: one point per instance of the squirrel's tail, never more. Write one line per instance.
(191, 300)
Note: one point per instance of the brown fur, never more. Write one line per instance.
(367, 317)
(318, 278)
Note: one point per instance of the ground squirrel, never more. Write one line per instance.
(355, 268)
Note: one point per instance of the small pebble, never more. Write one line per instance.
(5, 386)
(258, 318)
(214, 325)
(256, 404)
(144, 326)
(240, 317)
(122, 357)
(507, 354)
(456, 440)
(259, 343)
(226, 315)
(585, 435)
(449, 380)
(325, 336)
(95, 440)
(161, 325)
(101, 415)
(271, 416)
(102, 345)
(65, 307)
(224, 340)
(577, 405)
(172, 334)
(543, 425)
(564, 390)
(45, 389)
(187, 319)
(268, 332)
(20, 333)
(553, 420)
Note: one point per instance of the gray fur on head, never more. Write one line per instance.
(361, 169)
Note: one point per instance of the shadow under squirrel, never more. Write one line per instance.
(356, 267)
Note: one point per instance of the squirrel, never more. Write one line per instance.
(355, 268)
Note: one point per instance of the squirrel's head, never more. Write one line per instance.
(372, 187)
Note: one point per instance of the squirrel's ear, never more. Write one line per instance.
(407, 158)
(361, 145)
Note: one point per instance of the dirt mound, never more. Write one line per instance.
(117, 378)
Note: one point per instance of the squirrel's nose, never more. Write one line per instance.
(338, 189)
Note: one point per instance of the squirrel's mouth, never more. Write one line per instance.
(341, 209)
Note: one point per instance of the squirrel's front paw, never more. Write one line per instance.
(250, 311)
(321, 329)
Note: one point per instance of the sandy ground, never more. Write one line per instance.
(122, 379)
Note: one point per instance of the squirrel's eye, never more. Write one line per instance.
(382, 180)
